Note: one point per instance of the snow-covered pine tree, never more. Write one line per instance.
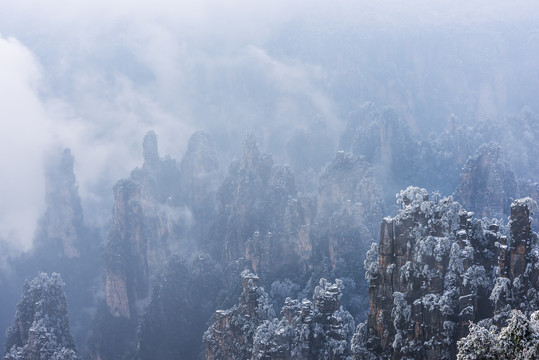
(518, 340)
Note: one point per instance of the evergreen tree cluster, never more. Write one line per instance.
(518, 340)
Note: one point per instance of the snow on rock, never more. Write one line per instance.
(317, 329)
(438, 269)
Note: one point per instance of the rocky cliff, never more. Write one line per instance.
(530, 189)
(308, 151)
(435, 271)
(435, 274)
(517, 285)
(385, 141)
(401, 157)
(432, 274)
(63, 243)
(163, 208)
(150, 220)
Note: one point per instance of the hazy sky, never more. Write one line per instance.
(96, 75)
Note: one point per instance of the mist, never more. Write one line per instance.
(354, 100)
(95, 76)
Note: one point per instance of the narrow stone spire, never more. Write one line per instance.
(149, 149)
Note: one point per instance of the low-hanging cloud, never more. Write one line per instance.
(24, 127)
(96, 75)
(103, 131)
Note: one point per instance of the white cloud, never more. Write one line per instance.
(24, 126)
(96, 75)
(103, 124)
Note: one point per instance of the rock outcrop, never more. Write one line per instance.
(418, 289)
(231, 336)
(487, 185)
(63, 243)
(517, 285)
(530, 189)
(307, 330)
(63, 221)
(41, 328)
(435, 272)
(259, 215)
(163, 208)
(401, 157)
(146, 227)
(160, 209)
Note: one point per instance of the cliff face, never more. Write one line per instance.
(146, 226)
(259, 218)
(141, 236)
(338, 222)
(63, 243)
(435, 273)
(435, 267)
(163, 208)
(401, 157)
(409, 297)
(241, 199)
